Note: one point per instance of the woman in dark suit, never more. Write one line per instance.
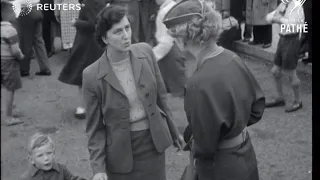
(129, 123)
(222, 96)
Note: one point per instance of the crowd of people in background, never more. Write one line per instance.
(132, 54)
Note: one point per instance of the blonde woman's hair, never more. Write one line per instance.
(200, 29)
(38, 140)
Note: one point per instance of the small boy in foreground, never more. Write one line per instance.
(42, 161)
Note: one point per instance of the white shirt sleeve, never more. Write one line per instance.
(165, 41)
(270, 16)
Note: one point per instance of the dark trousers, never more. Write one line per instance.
(236, 11)
(287, 53)
(47, 21)
(262, 34)
(227, 37)
(30, 34)
(247, 34)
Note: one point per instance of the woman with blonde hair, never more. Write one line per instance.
(222, 96)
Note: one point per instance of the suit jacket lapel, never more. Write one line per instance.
(106, 72)
(136, 67)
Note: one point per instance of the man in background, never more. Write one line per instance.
(47, 24)
(30, 34)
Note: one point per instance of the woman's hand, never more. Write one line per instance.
(179, 142)
(73, 22)
(100, 176)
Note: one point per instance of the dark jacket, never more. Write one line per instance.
(85, 49)
(58, 172)
(108, 124)
(222, 98)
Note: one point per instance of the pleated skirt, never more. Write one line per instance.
(148, 164)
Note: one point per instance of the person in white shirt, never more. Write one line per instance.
(169, 57)
(291, 18)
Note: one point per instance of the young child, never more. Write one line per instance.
(288, 15)
(42, 161)
(10, 57)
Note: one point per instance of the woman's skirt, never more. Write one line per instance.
(148, 164)
(84, 52)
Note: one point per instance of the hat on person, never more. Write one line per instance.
(183, 12)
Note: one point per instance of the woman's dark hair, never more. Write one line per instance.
(7, 12)
(106, 18)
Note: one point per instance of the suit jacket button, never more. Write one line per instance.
(150, 105)
(152, 114)
(147, 95)
(141, 86)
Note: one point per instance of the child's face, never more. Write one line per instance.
(43, 157)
